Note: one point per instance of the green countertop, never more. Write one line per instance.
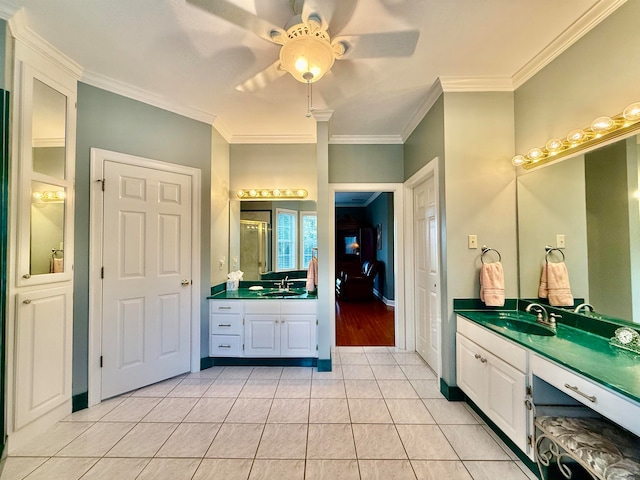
(265, 294)
(583, 352)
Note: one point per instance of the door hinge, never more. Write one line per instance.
(530, 440)
(529, 391)
(316, 347)
(100, 361)
(243, 324)
(103, 182)
(317, 322)
(101, 272)
(243, 346)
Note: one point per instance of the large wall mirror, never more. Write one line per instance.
(268, 236)
(48, 182)
(592, 200)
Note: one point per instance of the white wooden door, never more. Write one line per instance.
(298, 335)
(147, 276)
(43, 352)
(426, 272)
(262, 335)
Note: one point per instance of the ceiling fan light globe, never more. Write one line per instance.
(307, 54)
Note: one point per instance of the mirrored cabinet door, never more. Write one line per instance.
(48, 110)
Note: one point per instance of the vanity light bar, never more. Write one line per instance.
(272, 193)
(601, 129)
(49, 196)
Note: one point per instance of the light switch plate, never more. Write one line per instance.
(560, 243)
(473, 241)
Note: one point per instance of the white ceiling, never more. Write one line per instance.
(172, 54)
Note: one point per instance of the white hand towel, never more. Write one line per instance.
(492, 284)
(312, 275)
(558, 285)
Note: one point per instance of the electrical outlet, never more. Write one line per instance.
(560, 241)
(473, 241)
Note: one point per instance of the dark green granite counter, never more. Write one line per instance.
(581, 351)
(265, 294)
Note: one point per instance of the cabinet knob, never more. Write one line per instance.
(26, 275)
(483, 360)
(478, 356)
(27, 301)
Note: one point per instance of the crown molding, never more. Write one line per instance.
(223, 129)
(562, 42)
(135, 93)
(322, 115)
(275, 139)
(432, 97)
(476, 84)
(8, 9)
(365, 139)
(22, 33)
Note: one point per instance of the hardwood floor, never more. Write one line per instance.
(364, 324)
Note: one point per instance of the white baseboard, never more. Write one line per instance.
(386, 301)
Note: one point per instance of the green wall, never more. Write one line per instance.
(113, 122)
(365, 164)
(426, 141)
(597, 75)
(380, 212)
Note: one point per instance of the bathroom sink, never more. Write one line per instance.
(516, 321)
(281, 293)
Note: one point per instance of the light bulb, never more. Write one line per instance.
(602, 124)
(535, 154)
(576, 136)
(518, 160)
(276, 193)
(632, 112)
(240, 193)
(302, 193)
(554, 145)
(37, 195)
(252, 193)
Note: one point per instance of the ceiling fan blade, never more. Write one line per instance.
(240, 17)
(377, 45)
(335, 14)
(262, 79)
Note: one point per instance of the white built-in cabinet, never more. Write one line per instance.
(41, 242)
(492, 372)
(263, 328)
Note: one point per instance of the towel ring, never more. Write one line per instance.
(549, 249)
(486, 250)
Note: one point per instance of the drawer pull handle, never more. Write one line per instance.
(591, 398)
(480, 357)
(224, 308)
(224, 324)
(27, 301)
(224, 346)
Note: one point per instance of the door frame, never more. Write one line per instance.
(401, 327)
(431, 168)
(98, 157)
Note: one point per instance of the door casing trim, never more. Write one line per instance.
(98, 157)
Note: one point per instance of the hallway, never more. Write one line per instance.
(364, 324)
(379, 415)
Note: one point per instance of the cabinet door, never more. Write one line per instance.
(506, 392)
(43, 352)
(298, 335)
(470, 369)
(262, 335)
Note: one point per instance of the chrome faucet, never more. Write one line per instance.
(284, 284)
(585, 306)
(543, 316)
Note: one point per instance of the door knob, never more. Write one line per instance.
(26, 275)
(185, 283)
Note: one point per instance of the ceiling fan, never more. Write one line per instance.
(307, 49)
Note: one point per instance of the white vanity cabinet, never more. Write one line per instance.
(280, 328)
(225, 328)
(262, 328)
(492, 372)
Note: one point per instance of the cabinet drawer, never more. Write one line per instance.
(225, 324)
(224, 346)
(222, 306)
(621, 410)
(257, 307)
(293, 307)
(504, 349)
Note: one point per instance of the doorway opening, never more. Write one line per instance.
(364, 268)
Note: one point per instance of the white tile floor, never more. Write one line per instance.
(377, 415)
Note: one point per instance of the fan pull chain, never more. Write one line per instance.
(309, 100)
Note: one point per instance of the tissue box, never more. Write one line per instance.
(232, 285)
